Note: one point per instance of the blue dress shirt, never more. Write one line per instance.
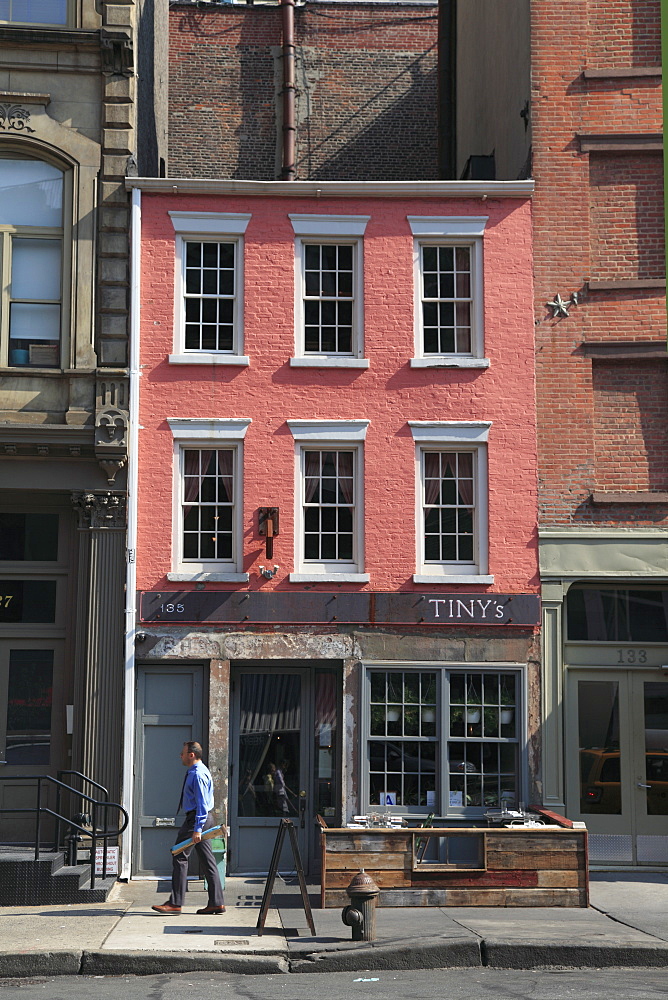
(198, 793)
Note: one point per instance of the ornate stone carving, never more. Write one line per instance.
(117, 54)
(100, 510)
(14, 118)
(111, 424)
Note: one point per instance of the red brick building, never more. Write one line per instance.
(593, 112)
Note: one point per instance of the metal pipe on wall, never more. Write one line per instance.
(288, 170)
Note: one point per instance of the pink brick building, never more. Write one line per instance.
(348, 367)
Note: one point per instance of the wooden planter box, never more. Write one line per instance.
(535, 866)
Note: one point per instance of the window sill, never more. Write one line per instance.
(449, 362)
(209, 359)
(205, 577)
(324, 362)
(452, 578)
(329, 578)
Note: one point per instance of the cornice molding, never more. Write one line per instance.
(333, 189)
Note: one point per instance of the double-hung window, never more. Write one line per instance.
(53, 12)
(208, 471)
(443, 739)
(209, 288)
(330, 515)
(451, 515)
(448, 264)
(329, 311)
(31, 248)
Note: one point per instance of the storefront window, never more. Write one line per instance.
(602, 615)
(443, 741)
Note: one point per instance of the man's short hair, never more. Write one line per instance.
(192, 746)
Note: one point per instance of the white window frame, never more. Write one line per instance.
(329, 435)
(321, 229)
(208, 433)
(444, 669)
(464, 436)
(208, 227)
(438, 231)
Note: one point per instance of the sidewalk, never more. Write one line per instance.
(626, 925)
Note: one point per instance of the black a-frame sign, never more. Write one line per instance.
(285, 824)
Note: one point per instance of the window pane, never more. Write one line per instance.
(33, 322)
(31, 537)
(29, 701)
(36, 269)
(27, 601)
(31, 193)
(34, 11)
(598, 727)
(617, 615)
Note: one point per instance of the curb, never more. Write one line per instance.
(150, 963)
(499, 955)
(26, 964)
(432, 955)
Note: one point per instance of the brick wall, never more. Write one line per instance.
(366, 101)
(597, 216)
(388, 393)
(624, 33)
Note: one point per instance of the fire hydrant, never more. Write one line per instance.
(360, 914)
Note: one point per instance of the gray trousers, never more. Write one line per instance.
(207, 864)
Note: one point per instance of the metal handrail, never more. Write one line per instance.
(89, 781)
(95, 834)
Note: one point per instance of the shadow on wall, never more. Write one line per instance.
(395, 142)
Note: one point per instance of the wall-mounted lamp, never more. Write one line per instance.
(268, 574)
(268, 526)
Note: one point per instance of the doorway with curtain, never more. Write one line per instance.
(284, 762)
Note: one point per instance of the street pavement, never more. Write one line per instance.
(625, 926)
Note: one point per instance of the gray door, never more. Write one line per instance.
(169, 712)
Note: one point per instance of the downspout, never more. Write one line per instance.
(288, 170)
(131, 572)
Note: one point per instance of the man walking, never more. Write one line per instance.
(197, 800)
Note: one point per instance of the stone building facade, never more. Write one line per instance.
(69, 127)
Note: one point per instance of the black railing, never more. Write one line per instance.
(104, 834)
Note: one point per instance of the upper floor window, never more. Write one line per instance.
(330, 513)
(207, 542)
(56, 12)
(31, 235)
(451, 459)
(448, 292)
(328, 291)
(209, 288)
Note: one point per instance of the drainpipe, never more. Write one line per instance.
(131, 572)
(288, 170)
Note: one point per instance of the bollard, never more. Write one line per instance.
(360, 914)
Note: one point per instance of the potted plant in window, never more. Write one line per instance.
(507, 705)
(473, 704)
